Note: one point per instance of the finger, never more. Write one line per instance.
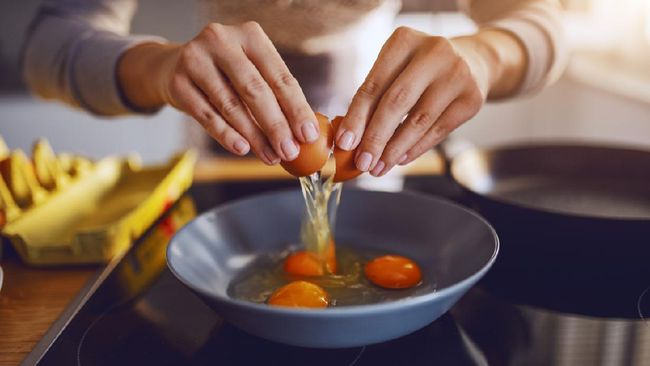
(222, 97)
(392, 59)
(422, 116)
(255, 92)
(402, 95)
(459, 111)
(193, 101)
(285, 87)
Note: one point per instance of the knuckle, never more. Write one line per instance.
(439, 45)
(205, 117)
(460, 68)
(355, 123)
(421, 120)
(402, 33)
(276, 130)
(398, 97)
(439, 131)
(252, 27)
(370, 88)
(218, 131)
(253, 87)
(214, 27)
(373, 139)
(228, 106)
(189, 54)
(441, 42)
(438, 40)
(296, 115)
(216, 32)
(284, 80)
(208, 117)
(391, 154)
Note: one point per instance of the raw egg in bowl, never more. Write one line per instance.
(452, 246)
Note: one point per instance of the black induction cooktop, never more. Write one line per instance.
(135, 312)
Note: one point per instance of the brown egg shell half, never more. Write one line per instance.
(312, 156)
(346, 169)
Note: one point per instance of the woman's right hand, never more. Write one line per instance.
(232, 80)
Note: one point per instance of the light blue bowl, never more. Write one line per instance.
(454, 247)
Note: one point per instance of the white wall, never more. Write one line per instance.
(23, 119)
(567, 110)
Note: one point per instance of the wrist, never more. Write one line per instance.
(481, 63)
(502, 56)
(143, 72)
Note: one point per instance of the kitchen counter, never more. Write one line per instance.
(32, 299)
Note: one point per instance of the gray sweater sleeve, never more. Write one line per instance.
(72, 51)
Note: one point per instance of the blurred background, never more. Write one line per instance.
(604, 95)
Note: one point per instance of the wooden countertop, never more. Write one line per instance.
(229, 169)
(31, 299)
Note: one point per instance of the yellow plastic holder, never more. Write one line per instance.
(97, 217)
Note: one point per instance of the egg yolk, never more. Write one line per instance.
(300, 294)
(393, 272)
(304, 263)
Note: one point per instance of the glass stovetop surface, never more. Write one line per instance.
(141, 315)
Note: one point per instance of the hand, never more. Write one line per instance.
(232, 80)
(436, 83)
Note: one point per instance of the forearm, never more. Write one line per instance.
(72, 51)
(143, 71)
(501, 55)
(535, 25)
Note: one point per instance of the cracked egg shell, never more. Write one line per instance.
(312, 156)
(346, 169)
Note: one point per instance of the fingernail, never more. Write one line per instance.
(402, 159)
(271, 157)
(309, 131)
(346, 141)
(378, 168)
(241, 147)
(289, 149)
(364, 161)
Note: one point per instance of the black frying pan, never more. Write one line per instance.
(575, 217)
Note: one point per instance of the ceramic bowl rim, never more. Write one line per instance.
(391, 306)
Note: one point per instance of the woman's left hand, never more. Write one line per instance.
(435, 82)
